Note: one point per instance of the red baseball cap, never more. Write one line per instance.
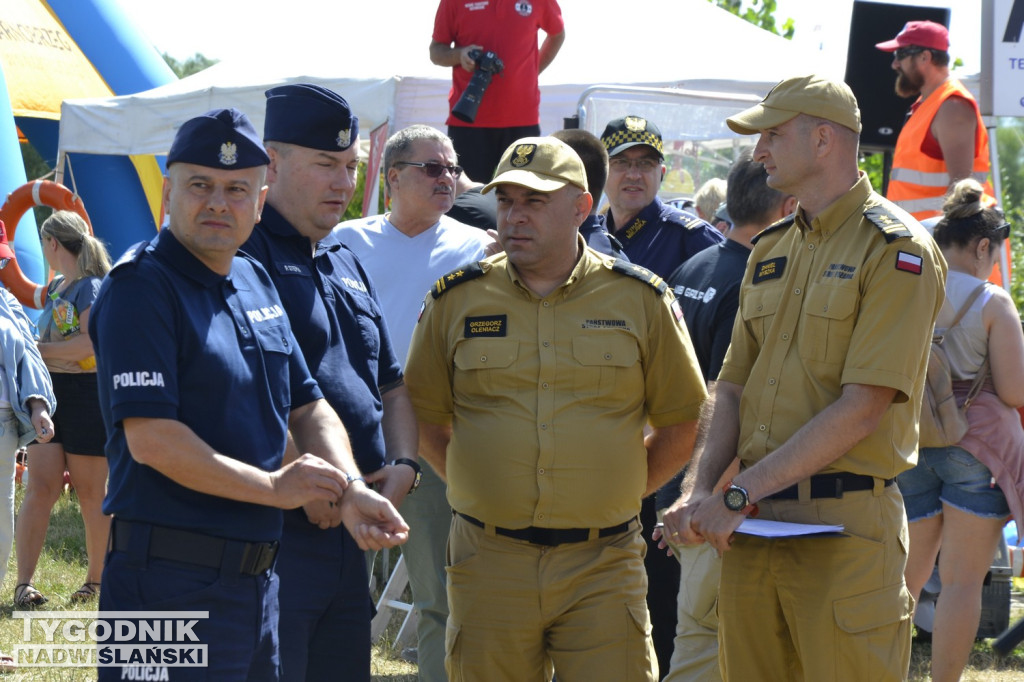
(5, 249)
(921, 34)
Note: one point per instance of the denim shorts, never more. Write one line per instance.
(953, 476)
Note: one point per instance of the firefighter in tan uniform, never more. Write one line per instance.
(819, 396)
(533, 374)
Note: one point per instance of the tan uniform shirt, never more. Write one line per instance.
(548, 397)
(836, 301)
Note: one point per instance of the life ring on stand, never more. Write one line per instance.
(37, 193)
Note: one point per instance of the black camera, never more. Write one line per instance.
(487, 64)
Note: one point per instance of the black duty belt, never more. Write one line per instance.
(173, 544)
(551, 537)
(832, 486)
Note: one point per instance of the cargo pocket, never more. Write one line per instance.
(639, 647)
(452, 650)
(873, 634)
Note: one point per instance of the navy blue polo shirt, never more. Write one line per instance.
(661, 237)
(337, 320)
(175, 340)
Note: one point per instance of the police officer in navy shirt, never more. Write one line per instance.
(313, 142)
(200, 381)
(653, 234)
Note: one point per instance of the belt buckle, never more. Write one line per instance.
(544, 536)
(258, 557)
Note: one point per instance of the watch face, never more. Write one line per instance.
(735, 500)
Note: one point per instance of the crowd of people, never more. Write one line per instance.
(562, 415)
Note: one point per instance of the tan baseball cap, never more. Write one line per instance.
(812, 95)
(544, 164)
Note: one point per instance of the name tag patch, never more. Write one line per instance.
(769, 269)
(489, 325)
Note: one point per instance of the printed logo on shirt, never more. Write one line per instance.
(355, 284)
(839, 271)
(488, 325)
(475, 6)
(698, 295)
(291, 269)
(769, 269)
(131, 379)
(265, 313)
(524, 8)
(604, 324)
(908, 262)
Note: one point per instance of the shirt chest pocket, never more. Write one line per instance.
(827, 324)
(367, 315)
(607, 368)
(486, 370)
(758, 307)
(275, 344)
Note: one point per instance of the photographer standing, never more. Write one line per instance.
(502, 37)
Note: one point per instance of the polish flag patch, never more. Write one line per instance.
(908, 262)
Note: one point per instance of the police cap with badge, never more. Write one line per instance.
(630, 131)
(310, 116)
(220, 138)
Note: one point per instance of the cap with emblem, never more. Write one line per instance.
(310, 116)
(629, 131)
(543, 164)
(919, 34)
(220, 138)
(812, 95)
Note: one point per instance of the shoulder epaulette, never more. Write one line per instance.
(641, 273)
(775, 227)
(463, 274)
(888, 223)
(693, 223)
(132, 255)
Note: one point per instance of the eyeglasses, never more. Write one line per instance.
(902, 53)
(433, 170)
(644, 165)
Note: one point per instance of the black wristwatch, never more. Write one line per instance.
(415, 467)
(737, 499)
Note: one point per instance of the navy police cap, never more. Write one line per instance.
(220, 138)
(309, 116)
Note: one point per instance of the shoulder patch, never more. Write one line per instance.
(132, 255)
(775, 227)
(891, 227)
(641, 273)
(463, 274)
(693, 223)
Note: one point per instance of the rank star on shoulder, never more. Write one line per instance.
(455, 275)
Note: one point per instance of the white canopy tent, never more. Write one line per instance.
(667, 43)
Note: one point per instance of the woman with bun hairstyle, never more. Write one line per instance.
(78, 444)
(959, 497)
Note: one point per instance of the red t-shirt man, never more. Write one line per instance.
(510, 107)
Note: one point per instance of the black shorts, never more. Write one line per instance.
(78, 422)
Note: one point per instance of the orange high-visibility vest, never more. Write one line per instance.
(918, 182)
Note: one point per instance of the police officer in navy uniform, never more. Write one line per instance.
(200, 382)
(653, 234)
(312, 139)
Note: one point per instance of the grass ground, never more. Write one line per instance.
(62, 568)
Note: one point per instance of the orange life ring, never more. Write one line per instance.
(37, 193)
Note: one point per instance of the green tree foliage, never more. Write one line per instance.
(760, 13)
(193, 64)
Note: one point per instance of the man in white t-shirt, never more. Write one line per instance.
(405, 251)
